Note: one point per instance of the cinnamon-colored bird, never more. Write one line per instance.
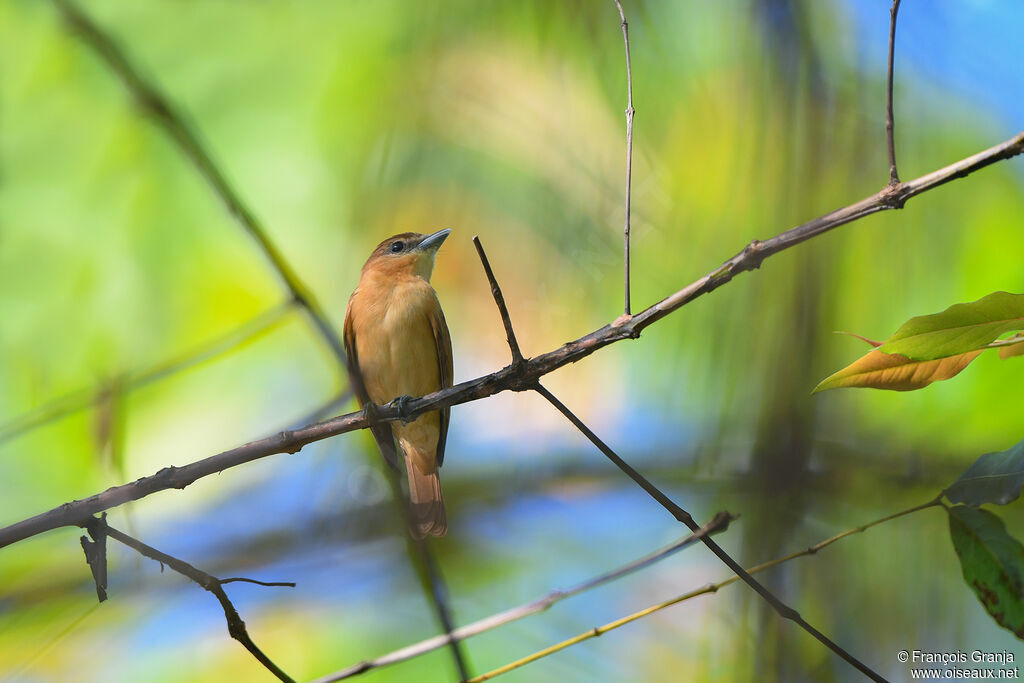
(398, 346)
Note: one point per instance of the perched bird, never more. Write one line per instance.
(398, 346)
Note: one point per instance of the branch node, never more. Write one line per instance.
(752, 253)
(285, 438)
(894, 195)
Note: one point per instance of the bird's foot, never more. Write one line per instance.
(399, 403)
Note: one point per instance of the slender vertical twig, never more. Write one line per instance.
(629, 149)
(499, 299)
(894, 177)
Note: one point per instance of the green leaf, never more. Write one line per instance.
(959, 328)
(877, 370)
(992, 562)
(993, 478)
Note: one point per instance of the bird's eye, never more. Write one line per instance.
(397, 247)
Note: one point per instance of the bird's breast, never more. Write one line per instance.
(395, 343)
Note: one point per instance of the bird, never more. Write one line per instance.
(398, 345)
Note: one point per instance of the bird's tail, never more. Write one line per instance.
(427, 503)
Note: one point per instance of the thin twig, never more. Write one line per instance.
(784, 610)
(499, 300)
(149, 98)
(514, 377)
(72, 403)
(629, 149)
(718, 524)
(236, 627)
(269, 584)
(894, 177)
(711, 588)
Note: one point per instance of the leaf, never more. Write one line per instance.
(959, 328)
(879, 370)
(992, 562)
(992, 478)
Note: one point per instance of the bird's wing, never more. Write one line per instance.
(382, 433)
(443, 343)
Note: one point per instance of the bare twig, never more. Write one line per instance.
(72, 403)
(629, 149)
(711, 588)
(675, 510)
(270, 584)
(236, 627)
(520, 377)
(149, 98)
(499, 300)
(894, 177)
(784, 610)
(718, 524)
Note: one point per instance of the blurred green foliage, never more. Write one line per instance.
(342, 123)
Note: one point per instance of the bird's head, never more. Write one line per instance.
(409, 253)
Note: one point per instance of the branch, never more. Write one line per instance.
(711, 588)
(894, 177)
(629, 148)
(236, 627)
(679, 513)
(718, 524)
(149, 98)
(520, 377)
(72, 403)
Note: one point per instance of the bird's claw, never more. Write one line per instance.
(399, 403)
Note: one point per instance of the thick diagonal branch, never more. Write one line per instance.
(515, 377)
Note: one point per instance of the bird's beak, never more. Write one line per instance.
(433, 242)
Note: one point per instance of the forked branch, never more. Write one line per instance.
(98, 528)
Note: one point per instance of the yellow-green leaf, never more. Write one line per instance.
(959, 328)
(893, 371)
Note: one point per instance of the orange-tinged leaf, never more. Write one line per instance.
(879, 370)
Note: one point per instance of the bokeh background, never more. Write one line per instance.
(341, 123)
